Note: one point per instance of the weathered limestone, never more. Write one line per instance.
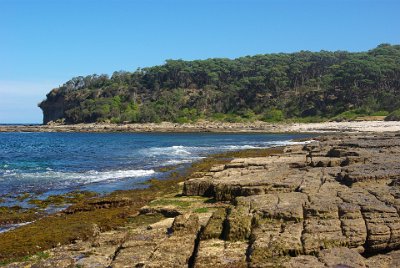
(324, 196)
(272, 238)
(322, 226)
(176, 250)
(353, 225)
(215, 225)
(220, 253)
(342, 257)
(239, 221)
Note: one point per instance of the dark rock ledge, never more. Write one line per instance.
(334, 202)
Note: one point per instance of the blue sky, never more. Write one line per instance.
(45, 43)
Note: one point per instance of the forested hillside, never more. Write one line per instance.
(271, 87)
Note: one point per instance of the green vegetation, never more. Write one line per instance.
(272, 87)
(167, 168)
(170, 202)
(77, 222)
(393, 116)
(201, 210)
(68, 198)
(273, 115)
(23, 196)
(16, 214)
(38, 256)
(350, 115)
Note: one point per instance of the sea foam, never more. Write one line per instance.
(83, 177)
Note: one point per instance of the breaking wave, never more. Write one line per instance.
(80, 177)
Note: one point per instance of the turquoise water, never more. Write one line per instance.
(51, 163)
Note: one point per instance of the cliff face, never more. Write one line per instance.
(52, 110)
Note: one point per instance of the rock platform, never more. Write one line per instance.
(332, 202)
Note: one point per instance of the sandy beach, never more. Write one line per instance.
(205, 126)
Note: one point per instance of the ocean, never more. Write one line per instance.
(55, 163)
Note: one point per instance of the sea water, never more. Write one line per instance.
(54, 163)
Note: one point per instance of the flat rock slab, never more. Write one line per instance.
(337, 196)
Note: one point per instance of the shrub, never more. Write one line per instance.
(182, 120)
(218, 116)
(247, 115)
(308, 119)
(346, 116)
(380, 113)
(393, 116)
(233, 118)
(273, 115)
(351, 114)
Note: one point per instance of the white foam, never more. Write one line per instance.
(10, 227)
(91, 176)
(266, 144)
(96, 176)
(181, 161)
(239, 147)
(178, 150)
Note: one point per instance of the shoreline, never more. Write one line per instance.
(126, 202)
(213, 127)
(195, 212)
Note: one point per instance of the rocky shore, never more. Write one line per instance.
(333, 202)
(206, 126)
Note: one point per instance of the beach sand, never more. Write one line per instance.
(205, 126)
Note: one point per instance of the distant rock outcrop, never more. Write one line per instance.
(53, 108)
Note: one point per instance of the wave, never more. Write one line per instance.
(177, 150)
(262, 145)
(240, 147)
(190, 151)
(10, 227)
(160, 156)
(81, 177)
(180, 161)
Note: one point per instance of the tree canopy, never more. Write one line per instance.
(270, 87)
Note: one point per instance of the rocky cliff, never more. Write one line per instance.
(333, 202)
(54, 107)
